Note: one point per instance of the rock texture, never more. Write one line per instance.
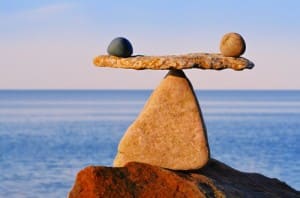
(141, 180)
(170, 131)
(188, 61)
(232, 44)
(120, 47)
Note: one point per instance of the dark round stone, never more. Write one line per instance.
(120, 47)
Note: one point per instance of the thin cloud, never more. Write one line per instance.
(40, 12)
(52, 9)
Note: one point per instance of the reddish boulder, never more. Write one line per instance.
(142, 180)
(133, 180)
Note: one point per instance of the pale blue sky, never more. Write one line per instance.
(51, 44)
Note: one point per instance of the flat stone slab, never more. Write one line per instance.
(170, 131)
(188, 61)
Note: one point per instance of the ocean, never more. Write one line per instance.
(46, 137)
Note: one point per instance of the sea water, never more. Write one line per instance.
(46, 137)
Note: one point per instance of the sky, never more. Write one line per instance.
(51, 44)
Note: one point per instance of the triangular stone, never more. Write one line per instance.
(170, 131)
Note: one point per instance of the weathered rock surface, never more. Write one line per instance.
(120, 47)
(142, 180)
(232, 45)
(188, 61)
(170, 131)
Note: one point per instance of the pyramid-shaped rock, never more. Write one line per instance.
(170, 131)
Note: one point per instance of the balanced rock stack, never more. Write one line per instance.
(170, 133)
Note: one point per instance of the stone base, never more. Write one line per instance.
(142, 180)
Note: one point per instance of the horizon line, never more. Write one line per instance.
(113, 89)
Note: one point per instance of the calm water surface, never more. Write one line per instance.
(46, 137)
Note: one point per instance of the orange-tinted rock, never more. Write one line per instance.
(141, 180)
(134, 180)
(170, 131)
(233, 45)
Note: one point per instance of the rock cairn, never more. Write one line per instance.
(170, 131)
